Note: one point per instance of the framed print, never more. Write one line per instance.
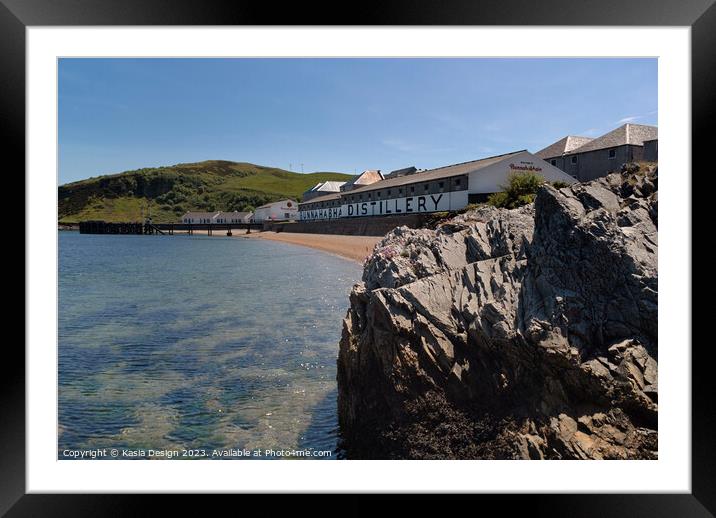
(416, 254)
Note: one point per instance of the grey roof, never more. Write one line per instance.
(562, 146)
(329, 186)
(632, 134)
(197, 214)
(327, 197)
(402, 172)
(434, 174)
(234, 214)
(421, 176)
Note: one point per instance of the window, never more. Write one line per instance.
(441, 186)
(574, 159)
(457, 182)
(612, 153)
(388, 192)
(379, 193)
(427, 186)
(412, 188)
(553, 162)
(400, 192)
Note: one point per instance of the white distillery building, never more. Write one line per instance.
(199, 217)
(216, 217)
(232, 217)
(443, 189)
(277, 211)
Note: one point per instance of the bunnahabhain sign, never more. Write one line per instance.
(408, 205)
(525, 166)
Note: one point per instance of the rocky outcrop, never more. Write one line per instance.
(527, 333)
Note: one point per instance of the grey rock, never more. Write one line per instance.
(531, 332)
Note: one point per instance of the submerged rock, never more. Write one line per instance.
(526, 333)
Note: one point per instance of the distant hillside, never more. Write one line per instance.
(171, 191)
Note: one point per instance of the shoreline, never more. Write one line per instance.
(354, 248)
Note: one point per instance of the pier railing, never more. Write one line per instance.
(105, 227)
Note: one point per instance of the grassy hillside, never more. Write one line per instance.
(173, 190)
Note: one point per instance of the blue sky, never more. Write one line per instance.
(342, 115)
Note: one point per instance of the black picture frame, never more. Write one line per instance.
(700, 15)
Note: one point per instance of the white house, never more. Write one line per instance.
(276, 211)
(232, 217)
(446, 188)
(199, 217)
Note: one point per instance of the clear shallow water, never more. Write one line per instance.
(195, 342)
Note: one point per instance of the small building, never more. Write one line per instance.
(232, 217)
(596, 157)
(446, 188)
(276, 211)
(321, 189)
(367, 177)
(199, 217)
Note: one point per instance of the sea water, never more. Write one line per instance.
(176, 344)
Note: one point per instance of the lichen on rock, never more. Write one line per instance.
(525, 333)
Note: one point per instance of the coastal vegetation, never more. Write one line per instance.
(520, 190)
(168, 192)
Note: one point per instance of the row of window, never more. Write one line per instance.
(201, 220)
(574, 159)
(399, 192)
(206, 220)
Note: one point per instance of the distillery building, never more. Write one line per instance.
(586, 158)
(446, 188)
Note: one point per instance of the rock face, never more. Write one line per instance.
(529, 333)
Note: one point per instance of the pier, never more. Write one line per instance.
(104, 227)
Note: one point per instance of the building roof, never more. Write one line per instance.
(271, 203)
(563, 146)
(329, 186)
(196, 214)
(402, 172)
(440, 172)
(631, 134)
(367, 177)
(235, 214)
(327, 197)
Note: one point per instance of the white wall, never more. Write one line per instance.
(409, 205)
(492, 178)
(277, 211)
(197, 220)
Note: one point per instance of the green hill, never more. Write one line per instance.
(171, 191)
